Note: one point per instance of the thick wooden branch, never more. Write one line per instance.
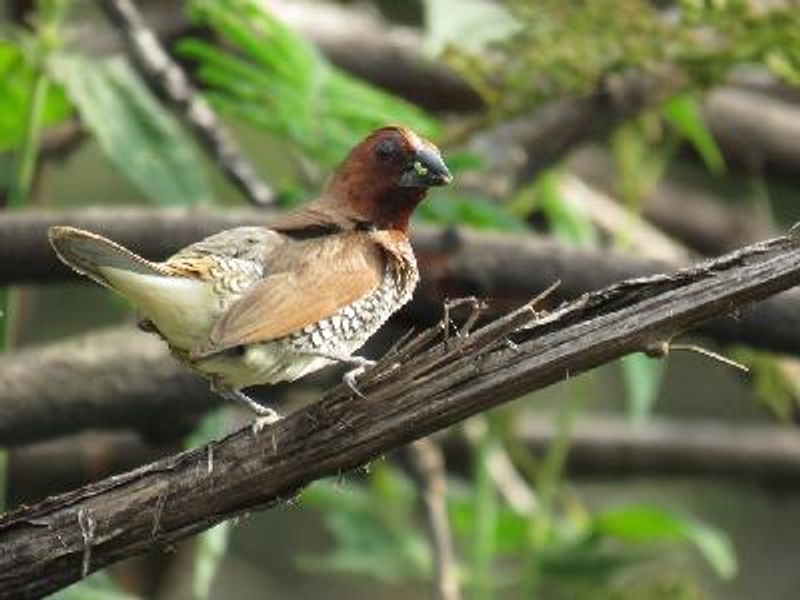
(507, 269)
(425, 386)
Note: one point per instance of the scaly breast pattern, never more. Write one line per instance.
(350, 327)
(341, 334)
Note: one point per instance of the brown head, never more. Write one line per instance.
(386, 176)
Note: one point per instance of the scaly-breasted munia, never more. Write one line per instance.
(263, 304)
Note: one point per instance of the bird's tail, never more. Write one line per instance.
(180, 306)
(98, 257)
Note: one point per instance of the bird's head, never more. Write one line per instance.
(387, 175)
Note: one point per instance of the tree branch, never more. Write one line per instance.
(169, 82)
(608, 446)
(423, 387)
(118, 378)
(427, 460)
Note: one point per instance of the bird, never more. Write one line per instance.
(278, 300)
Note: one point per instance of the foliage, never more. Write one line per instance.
(377, 535)
(573, 47)
(16, 87)
(374, 527)
(270, 77)
(143, 140)
(95, 587)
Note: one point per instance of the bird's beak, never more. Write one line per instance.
(426, 170)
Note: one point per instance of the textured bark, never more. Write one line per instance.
(424, 386)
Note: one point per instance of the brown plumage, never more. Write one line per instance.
(270, 303)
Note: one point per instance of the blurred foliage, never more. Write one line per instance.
(568, 48)
(374, 526)
(17, 76)
(642, 376)
(775, 379)
(269, 76)
(98, 586)
(211, 545)
(564, 222)
(141, 138)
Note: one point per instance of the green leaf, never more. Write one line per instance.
(373, 526)
(568, 223)
(16, 83)
(95, 587)
(587, 561)
(209, 553)
(365, 546)
(511, 528)
(684, 114)
(644, 524)
(776, 383)
(449, 210)
(470, 25)
(642, 377)
(270, 77)
(136, 133)
(212, 544)
(371, 523)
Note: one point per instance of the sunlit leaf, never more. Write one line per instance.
(137, 134)
(469, 24)
(269, 76)
(648, 524)
(642, 377)
(95, 587)
(16, 82)
(210, 550)
(450, 209)
(373, 526)
(684, 114)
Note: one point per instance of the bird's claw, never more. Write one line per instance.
(350, 377)
(267, 417)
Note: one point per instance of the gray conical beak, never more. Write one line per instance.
(426, 170)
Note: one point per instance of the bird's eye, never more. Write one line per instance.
(385, 150)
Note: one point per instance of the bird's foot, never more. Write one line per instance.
(267, 417)
(264, 415)
(360, 363)
(350, 377)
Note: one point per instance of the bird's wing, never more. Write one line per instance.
(322, 276)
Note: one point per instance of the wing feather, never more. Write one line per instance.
(322, 276)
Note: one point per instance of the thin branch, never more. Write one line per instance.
(703, 221)
(45, 546)
(169, 82)
(428, 463)
(609, 446)
(504, 269)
